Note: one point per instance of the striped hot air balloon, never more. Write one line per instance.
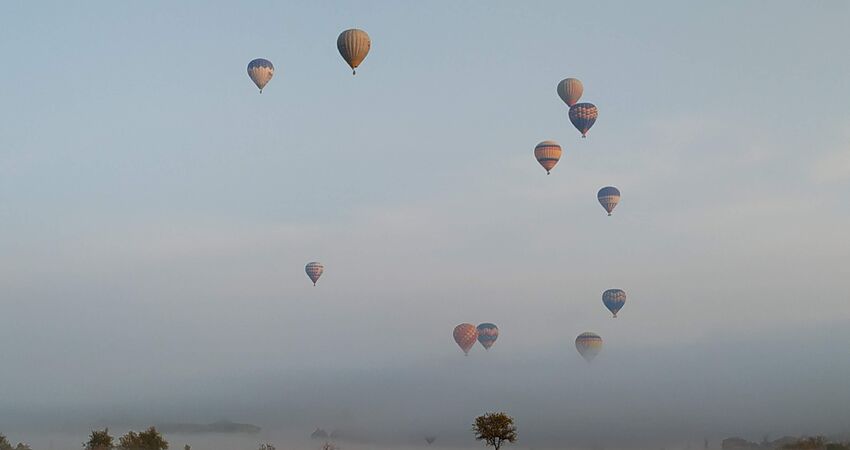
(614, 299)
(261, 72)
(314, 271)
(583, 116)
(465, 335)
(588, 345)
(353, 45)
(548, 153)
(487, 334)
(570, 90)
(608, 197)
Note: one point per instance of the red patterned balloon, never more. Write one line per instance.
(466, 335)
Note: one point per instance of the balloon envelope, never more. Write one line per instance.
(465, 335)
(353, 45)
(583, 116)
(548, 153)
(588, 345)
(314, 271)
(487, 334)
(614, 299)
(570, 90)
(261, 72)
(608, 197)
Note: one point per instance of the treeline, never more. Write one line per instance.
(786, 443)
(817, 443)
(149, 439)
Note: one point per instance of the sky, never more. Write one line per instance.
(156, 213)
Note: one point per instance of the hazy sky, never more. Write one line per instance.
(156, 214)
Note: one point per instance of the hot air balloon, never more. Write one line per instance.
(353, 45)
(465, 335)
(583, 115)
(588, 345)
(548, 153)
(570, 90)
(487, 334)
(614, 299)
(261, 71)
(430, 439)
(314, 271)
(608, 197)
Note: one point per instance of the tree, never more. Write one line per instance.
(149, 439)
(494, 429)
(4, 443)
(99, 440)
(267, 447)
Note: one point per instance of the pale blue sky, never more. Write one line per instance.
(152, 201)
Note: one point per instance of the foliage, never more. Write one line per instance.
(149, 439)
(329, 446)
(99, 440)
(267, 446)
(838, 446)
(807, 443)
(494, 429)
(6, 445)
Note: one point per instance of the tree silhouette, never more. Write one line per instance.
(6, 445)
(149, 439)
(494, 429)
(99, 440)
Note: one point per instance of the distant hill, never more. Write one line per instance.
(215, 427)
(736, 443)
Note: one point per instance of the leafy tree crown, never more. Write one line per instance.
(494, 429)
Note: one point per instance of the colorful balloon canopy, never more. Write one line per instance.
(570, 90)
(608, 197)
(614, 299)
(583, 116)
(314, 271)
(261, 72)
(588, 345)
(487, 334)
(465, 335)
(353, 45)
(548, 153)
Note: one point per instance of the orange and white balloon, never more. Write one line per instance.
(548, 153)
(588, 345)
